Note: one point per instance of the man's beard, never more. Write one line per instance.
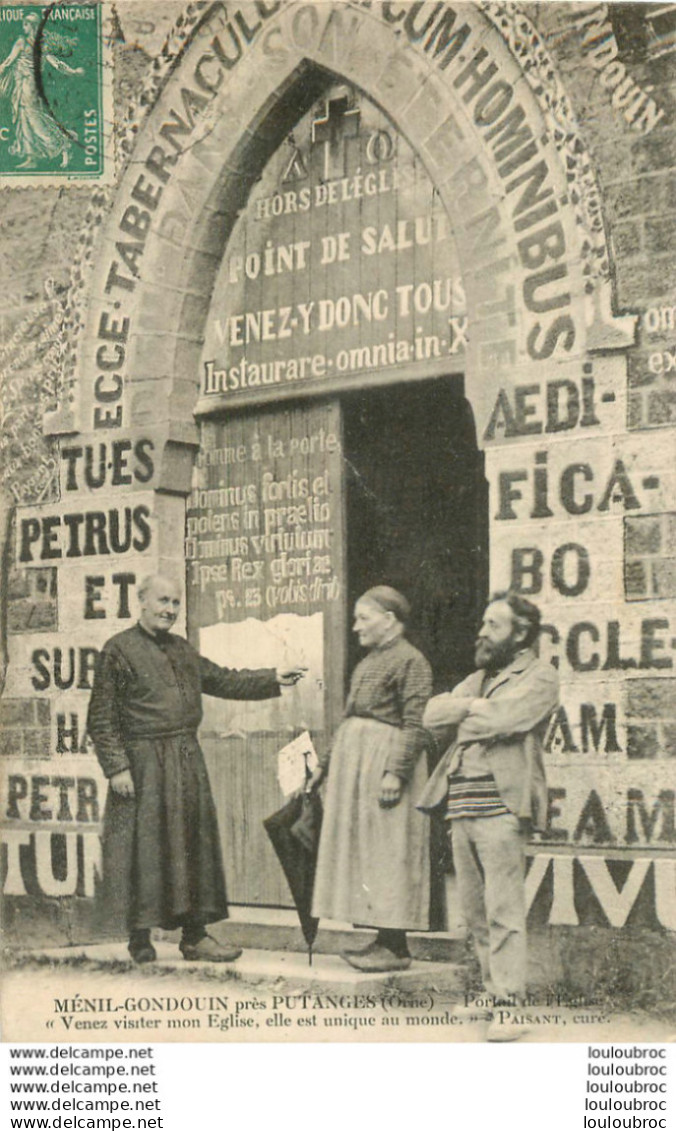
(495, 657)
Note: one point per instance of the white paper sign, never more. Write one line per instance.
(294, 761)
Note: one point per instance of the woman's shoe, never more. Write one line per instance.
(379, 960)
(351, 952)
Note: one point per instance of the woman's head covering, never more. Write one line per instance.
(390, 600)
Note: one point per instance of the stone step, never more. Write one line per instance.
(283, 933)
(286, 970)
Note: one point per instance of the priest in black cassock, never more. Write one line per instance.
(161, 848)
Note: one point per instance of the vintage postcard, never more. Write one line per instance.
(337, 498)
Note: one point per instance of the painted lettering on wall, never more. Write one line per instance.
(265, 541)
(95, 555)
(574, 890)
(645, 817)
(345, 198)
(599, 45)
(50, 835)
(232, 37)
(453, 41)
(521, 164)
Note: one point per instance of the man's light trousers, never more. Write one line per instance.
(490, 861)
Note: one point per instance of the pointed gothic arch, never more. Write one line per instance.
(532, 261)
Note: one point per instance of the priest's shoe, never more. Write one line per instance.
(142, 950)
(209, 950)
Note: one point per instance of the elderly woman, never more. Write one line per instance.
(373, 864)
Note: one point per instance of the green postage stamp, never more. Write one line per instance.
(52, 93)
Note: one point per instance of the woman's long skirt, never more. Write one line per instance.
(373, 865)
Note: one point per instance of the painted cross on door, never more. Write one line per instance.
(333, 132)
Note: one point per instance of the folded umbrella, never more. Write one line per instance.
(294, 832)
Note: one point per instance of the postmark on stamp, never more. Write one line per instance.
(52, 93)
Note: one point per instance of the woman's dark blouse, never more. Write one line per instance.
(392, 685)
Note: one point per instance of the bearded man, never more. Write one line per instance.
(161, 848)
(490, 785)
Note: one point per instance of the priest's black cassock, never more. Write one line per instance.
(161, 849)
